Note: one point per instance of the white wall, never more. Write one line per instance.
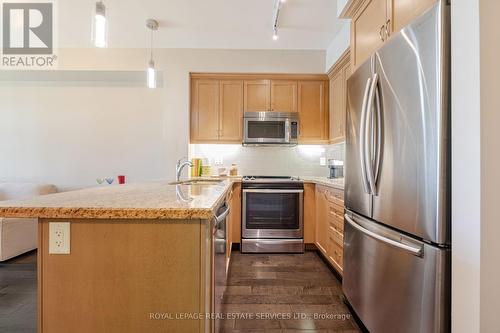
(475, 122)
(466, 186)
(339, 44)
(70, 136)
(490, 162)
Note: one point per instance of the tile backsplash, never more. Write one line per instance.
(302, 160)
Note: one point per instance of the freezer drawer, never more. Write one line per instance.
(393, 282)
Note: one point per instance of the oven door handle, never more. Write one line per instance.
(277, 191)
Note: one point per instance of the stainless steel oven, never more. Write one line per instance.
(272, 215)
(271, 128)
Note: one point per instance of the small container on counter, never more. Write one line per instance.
(196, 168)
(233, 170)
(206, 170)
(222, 171)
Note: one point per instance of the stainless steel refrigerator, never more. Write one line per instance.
(397, 243)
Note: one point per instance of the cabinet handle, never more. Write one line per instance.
(381, 33)
(387, 30)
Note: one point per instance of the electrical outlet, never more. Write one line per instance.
(219, 161)
(59, 238)
(322, 161)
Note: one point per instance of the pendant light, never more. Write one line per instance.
(100, 26)
(152, 25)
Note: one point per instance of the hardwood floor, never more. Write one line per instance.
(284, 293)
(266, 293)
(18, 294)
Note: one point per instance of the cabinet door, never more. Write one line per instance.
(404, 11)
(257, 95)
(205, 110)
(309, 213)
(313, 111)
(236, 214)
(321, 219)
(367, 30)
(284, 96)
(231, 111)
(336, 106)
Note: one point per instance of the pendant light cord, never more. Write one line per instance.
(151, 49)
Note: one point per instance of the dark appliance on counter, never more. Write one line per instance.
(336, 169)
(272, 215)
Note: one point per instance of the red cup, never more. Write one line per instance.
(121, 179)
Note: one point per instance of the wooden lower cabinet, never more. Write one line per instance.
(330, 224)
(124, 275)
(309, 213)
(235, 214)
(321, 219)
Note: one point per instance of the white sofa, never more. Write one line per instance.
(18, 235)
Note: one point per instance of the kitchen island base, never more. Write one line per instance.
(125, 275)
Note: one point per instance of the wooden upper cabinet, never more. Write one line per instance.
(283, 96)
(218, 103)
(257, 95)
(404, 11)
(336, 106)
(338, 97)
(205, 99)
(231, 111)
(374, 21)
(313, 111)
(368, 30)
(216, 110)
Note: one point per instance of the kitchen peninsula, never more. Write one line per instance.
(139, 255)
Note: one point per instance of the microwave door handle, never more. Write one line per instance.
(287, 130)
(362, 133)
(368, 144)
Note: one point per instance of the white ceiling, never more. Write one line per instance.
(224, 24)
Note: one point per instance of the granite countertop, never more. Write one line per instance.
(337, 183)
(149, 200)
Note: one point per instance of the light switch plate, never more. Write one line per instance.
(59, 238)
(322, 161)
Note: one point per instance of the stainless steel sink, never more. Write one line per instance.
(197, 182)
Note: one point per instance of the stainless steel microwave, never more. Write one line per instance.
(270, 128)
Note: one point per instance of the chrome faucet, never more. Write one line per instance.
(180, 166)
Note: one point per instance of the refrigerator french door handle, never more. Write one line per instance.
(416, 251)
(378, 146)
(368, 138)
(362, 132)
